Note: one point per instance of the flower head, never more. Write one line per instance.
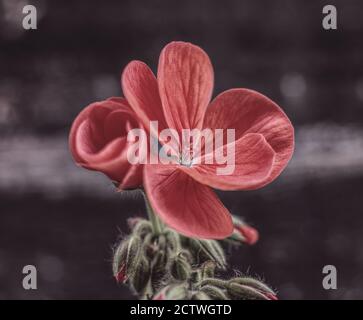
(179, 98)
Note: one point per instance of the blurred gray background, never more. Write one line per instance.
(65, 220)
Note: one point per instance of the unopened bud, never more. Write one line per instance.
(242, 292)
(140, 278)
(243, 232)
(214, 293)
(251, 282)
(126, 257)
(173, 240)
(214, 282)
(121, 276)
(158, 268)
(200, 295)
(150, 245)
(133, 221)
(160, 296)
(196, 276)
(172, 292)
(142, 228)
(159, 260)
(180, 268)
(210, 250)
(208, 269)
(161, 242)
(271, 296)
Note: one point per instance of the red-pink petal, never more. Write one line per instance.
(92, 153)
(185, 78)
(250, 234)
(132, 178)
(254, 158)
(186, 205)
(111, 104)
(98, 142)
(248, 111)
(141, 90)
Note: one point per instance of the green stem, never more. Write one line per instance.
(155, 222)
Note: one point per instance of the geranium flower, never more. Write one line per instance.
(98, 141)
(179, 98)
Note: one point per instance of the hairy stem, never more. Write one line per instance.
(155, 221)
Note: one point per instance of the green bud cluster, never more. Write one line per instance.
(238, 288)
(167, 265)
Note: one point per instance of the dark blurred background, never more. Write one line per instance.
(64, 220)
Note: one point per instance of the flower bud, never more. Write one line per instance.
(158, 268)
(243, 232)
(140, 278)
(218, 253)
(207, 269)
(150, 245)
(196, 276)
(133, 221)
(214, 293)
(271, 296)
(209, 250)
(161, 242)
(180, 268)
(142, 228)
(121, 276)
(173, 240)
(200, 295)
(160, 296)
(251, 282)
(242, 292)
(126, 257)
(172, 292)
(153, 244)
(214, 282)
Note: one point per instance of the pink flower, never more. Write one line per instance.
(180, 98)
(98, 141)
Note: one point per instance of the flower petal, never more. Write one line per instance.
(110, 104)
(185, 78)
(248, 111)
(186, 205)
(98, 143)
(140, 88)
(132, 178)
(92, 153)
(253, 160)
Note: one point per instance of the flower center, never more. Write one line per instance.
(186, 158)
